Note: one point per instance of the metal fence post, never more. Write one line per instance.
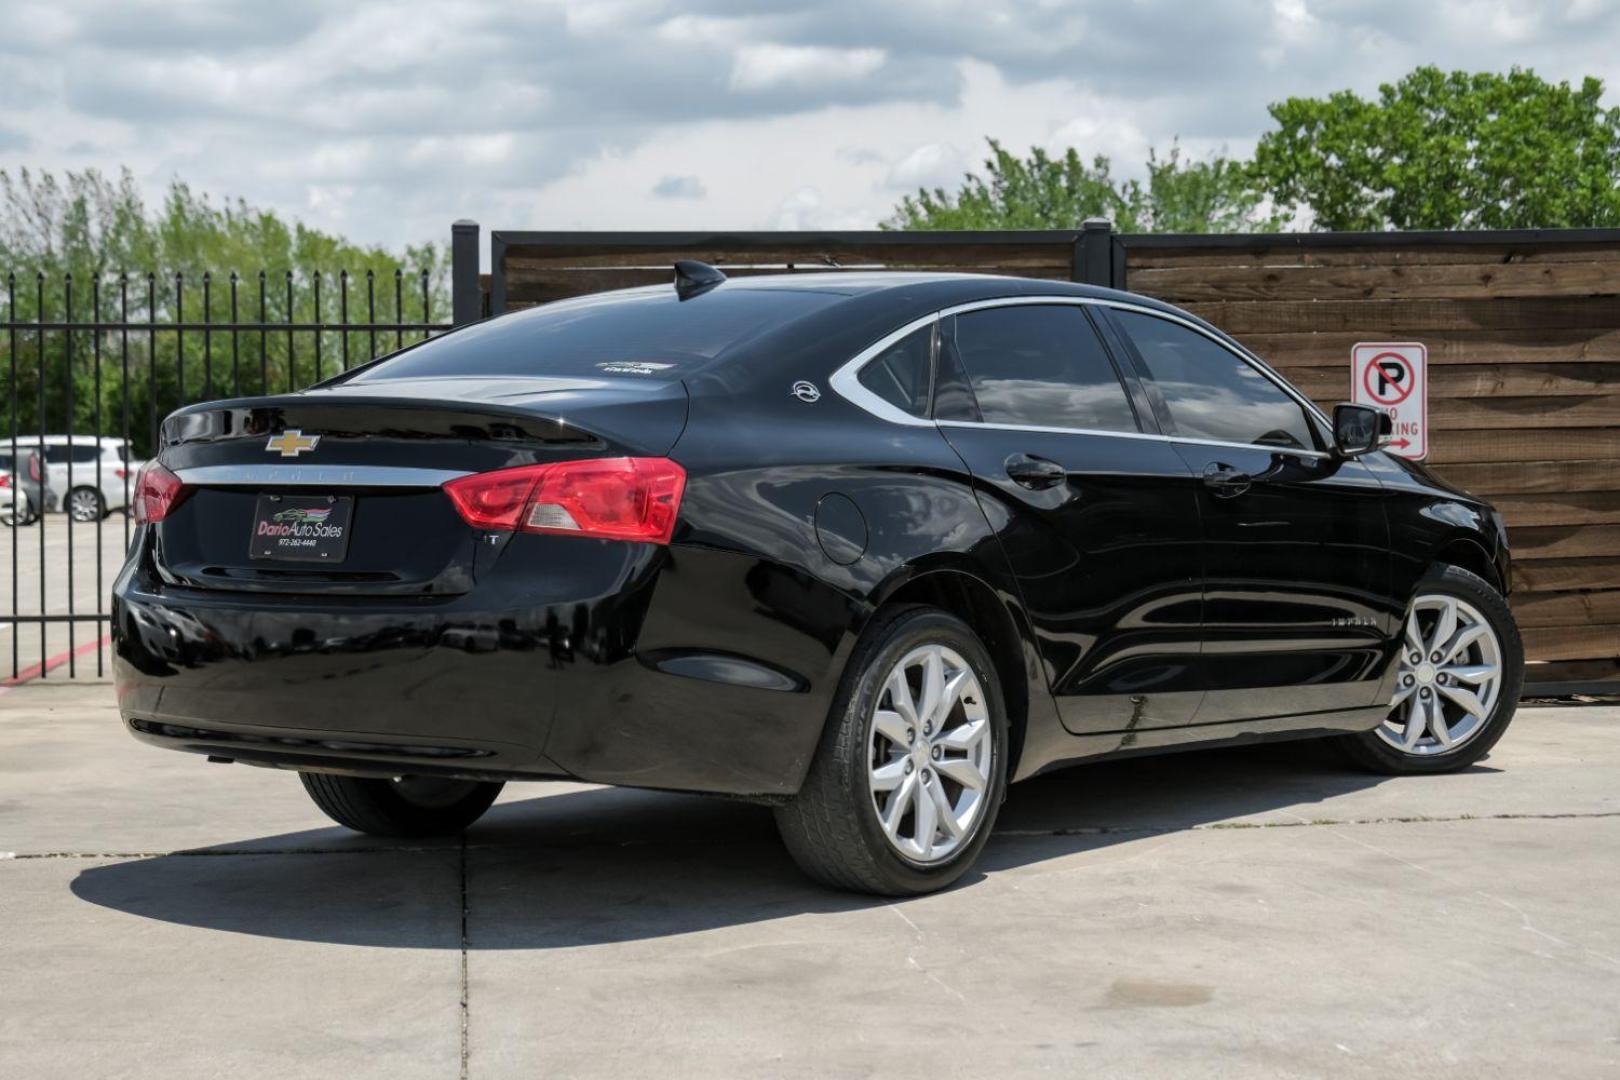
(1093, 252)
(466, 305)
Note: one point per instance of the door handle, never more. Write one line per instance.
(1035, 473)
(1225, 481)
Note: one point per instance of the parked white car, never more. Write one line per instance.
(72, 461)
(14, 507)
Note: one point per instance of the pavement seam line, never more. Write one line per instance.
(1419, 819)
(465, 1011)
(1082, 830)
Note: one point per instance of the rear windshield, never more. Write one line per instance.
(651, 334)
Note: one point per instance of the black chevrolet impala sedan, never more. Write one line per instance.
(864, 547)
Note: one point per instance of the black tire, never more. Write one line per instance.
(93, 508)
(410, 806)
(831, 827)
(22, 511)
(1370, 751)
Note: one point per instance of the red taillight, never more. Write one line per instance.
(5, 480)
(605, 498)
(122, 474)
(33, 466)
(157, 492)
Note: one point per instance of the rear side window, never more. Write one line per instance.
(1041, 366)
(651, 334)
(1213, 393)
(902, 373)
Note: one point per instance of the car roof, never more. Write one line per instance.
(920, 283)
(906, 295)
(693, 333)
(873, 304)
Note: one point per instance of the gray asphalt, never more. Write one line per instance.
(1238, 913)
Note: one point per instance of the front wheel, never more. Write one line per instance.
(405, 806)
(1457, 686)
(904, 789)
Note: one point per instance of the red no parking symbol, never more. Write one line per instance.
(1388, 378)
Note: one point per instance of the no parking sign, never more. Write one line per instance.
(1395, 376)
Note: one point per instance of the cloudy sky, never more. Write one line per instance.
(386, 121)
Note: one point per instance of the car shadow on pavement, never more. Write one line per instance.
(606, 865)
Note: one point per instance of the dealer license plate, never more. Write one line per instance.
(304, 528)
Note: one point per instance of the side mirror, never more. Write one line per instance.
(1360, 429)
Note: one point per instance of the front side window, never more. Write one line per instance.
(1213, 393)
(902, 373)
(1041, 366)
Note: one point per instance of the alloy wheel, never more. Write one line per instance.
(1449, 679)
(84, 505)
(931, 752)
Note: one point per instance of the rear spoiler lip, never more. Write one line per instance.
(637, 418)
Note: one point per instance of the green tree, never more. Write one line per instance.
(1043, 192)
(1448, 151)
(86, 249)
(1215, 195)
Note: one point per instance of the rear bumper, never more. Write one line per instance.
(595, 668)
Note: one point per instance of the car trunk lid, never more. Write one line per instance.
(369, 463)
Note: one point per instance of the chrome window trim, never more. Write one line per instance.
(1295, 451)
(268, 475)
(846, 379)
(1053, 430)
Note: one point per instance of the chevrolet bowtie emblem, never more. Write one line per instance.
(292, 442)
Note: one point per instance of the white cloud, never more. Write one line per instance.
(761, 67)
(388, 119)
(928, 166)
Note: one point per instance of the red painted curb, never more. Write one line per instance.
(28, 674)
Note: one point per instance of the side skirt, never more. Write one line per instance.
(1119, 744)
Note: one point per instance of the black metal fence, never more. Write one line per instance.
(88, 363)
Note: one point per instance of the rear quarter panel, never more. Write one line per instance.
(752, 575)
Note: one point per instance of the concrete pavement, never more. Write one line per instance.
(47, 588)
(1264, 912)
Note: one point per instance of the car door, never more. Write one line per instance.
(1097, 514)
(1297, 605)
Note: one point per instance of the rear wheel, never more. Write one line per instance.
(404, 806)
(86, 504)
(904, 789)
(1457, 686)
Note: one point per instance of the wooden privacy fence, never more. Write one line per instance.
(1522, 329)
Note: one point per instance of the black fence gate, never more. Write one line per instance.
(92, 367)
